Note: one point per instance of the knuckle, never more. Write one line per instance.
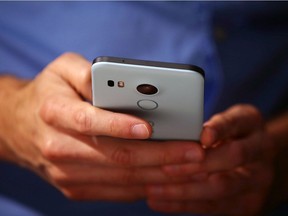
(217, 117)
(50, 150)
(172, 154)
(221, 120)
(47, 110)
(256, 114)
(228, 120)
(54, 64)
(83, 121)
(68, 56)
(72, 194)
(122, 156)
(113, 125)
(84, 76)
(61, 179)
(250, 110)
(65, 57)
(247, 107)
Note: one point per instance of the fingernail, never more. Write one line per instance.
(140, 131)
(192, 155)
(209, 137)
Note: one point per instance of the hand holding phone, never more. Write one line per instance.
(169, 96)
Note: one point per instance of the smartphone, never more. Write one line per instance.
(167, 95)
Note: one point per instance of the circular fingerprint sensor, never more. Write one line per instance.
(147, 104)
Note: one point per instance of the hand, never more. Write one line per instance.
(86, 152)
(235, 175)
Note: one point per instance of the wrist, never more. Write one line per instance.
(9, 88)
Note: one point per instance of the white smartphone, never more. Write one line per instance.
(169, 96)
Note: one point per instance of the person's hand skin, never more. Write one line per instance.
(48, 126)
(235, 176)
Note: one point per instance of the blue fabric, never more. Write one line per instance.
(11, 208)
(35, 33)
(32, 34)
(253, 50)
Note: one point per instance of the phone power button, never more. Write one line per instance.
(147, 104)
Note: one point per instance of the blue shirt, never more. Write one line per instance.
(35, 33)
(32, 34)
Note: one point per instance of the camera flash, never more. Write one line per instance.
(121, 84)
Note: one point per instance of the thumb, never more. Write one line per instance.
(235, 122)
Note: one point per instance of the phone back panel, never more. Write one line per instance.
(175, 111)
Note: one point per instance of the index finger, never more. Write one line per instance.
(107, 151)
(83, 118)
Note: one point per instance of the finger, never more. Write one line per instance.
(238, 121)
(103, 192)
(215, 207)
(75, 70)
(217, 186)
(225, 157)
(82, 117)
(106, 151)
(149, 153)
(248, 204)
(165, 206)
(69, 174)
(235, 153)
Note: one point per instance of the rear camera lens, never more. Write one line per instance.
(147, 89)
(110, 83)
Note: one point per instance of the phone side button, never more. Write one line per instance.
(147, 104)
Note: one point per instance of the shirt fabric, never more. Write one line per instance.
(35, 33)
(32, 34)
